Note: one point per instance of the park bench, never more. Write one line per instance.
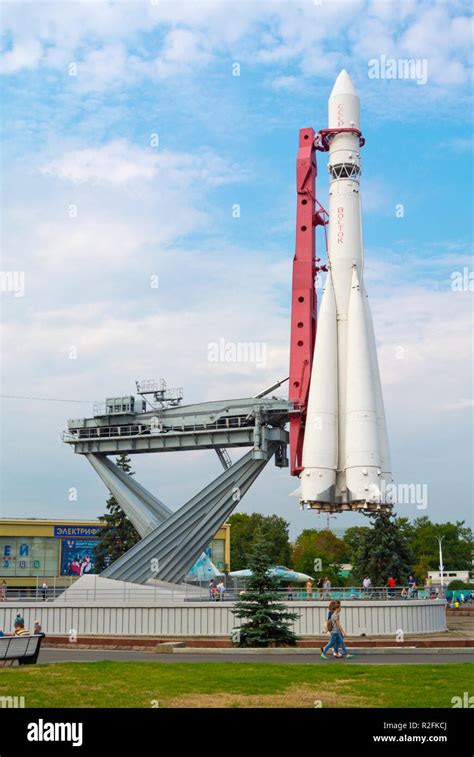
(25, 649)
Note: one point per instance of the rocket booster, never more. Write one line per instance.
(346, 459)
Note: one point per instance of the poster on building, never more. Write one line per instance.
(77, 556)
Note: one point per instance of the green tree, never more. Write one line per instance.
(353, 538)
(266, 620)
(420, 570)
(325, 546)
(247, 530)
(457, 543)
(118, 534)
(305, 552)
(384, 551)
(406, 528)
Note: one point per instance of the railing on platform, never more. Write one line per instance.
(186, 592)
(144, 429)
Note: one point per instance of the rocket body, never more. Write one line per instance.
(346, 462)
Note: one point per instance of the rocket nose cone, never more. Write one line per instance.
(343, 85)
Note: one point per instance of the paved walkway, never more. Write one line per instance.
(387, 658)
(461, 630)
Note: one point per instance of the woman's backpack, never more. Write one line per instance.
(328, 624)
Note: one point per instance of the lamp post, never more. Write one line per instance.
(439, 539)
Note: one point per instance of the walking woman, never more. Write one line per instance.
(336, 631)
(332, 629)
(341, 633)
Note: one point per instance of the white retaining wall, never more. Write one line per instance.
(215, 619)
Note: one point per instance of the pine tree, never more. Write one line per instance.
(383, 551)
(267, 622)
(118, 534)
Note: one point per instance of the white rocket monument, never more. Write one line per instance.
(346, 458)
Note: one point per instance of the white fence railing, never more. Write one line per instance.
(186, 592)
(360, 618)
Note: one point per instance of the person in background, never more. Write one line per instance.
(289, 593)
(212, 590)
(366, 584)
(220, 590)
(37, 627)
(427, 586)
(20, 629)
(309, 589)
(391, 583)
(3, 591)
(44, 591)
(327, 588)
(319, 587)
(412, 587)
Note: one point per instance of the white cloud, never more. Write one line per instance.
(120, 163)
(183, 52)
(286, 83)
(115, 163)
(105, 68)
(106, 39)
(458, 144)
(87, 280)
(461, 404)
(26, 53)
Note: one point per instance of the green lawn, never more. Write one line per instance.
(138, 684)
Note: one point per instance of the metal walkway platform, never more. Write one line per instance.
(172, 541)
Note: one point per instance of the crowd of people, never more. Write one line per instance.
(321, 589)
(20, 630)
(4, 590)
(216, 591)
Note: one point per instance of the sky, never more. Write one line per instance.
(148, 210)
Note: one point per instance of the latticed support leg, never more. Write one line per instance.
(175, 544)
(144, 510)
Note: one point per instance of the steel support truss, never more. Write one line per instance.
(169, 549)
(171, 541)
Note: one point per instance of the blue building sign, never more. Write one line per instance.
(80, 531)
